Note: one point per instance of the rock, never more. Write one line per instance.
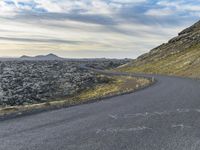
(27, 82)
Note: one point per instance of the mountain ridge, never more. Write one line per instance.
(41, 57)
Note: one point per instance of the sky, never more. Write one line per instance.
(91, 28)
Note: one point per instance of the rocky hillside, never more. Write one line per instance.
(180, 56)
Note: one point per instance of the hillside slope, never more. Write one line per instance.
(180, 56)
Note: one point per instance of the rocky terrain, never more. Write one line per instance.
(180, 56)
(28, 82)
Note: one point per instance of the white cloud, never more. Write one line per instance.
(99, 6)
(7, 10)
(66, 6)
(160, 12)
(87, 7)
(129, 1)
(181, 6)
(50, 6)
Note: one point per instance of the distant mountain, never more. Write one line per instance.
(41, 57)
(25, 57)
(180, 56)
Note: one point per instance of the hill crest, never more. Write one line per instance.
(180, 56)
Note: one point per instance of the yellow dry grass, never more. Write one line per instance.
(185, 63)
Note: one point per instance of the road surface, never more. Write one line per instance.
(165, 116)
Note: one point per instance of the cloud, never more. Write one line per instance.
(160, 12)
(96, 27)
(67, 6)
(128, 1)
(169, 7)
(7, 9)
(38, 40)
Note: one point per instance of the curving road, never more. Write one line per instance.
(165, 116)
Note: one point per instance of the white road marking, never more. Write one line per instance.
(113, 116)
(116, 130)
(182, 126)
(161, 113)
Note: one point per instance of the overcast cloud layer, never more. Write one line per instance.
(86, 28)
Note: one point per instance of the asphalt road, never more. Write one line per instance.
(165, 116)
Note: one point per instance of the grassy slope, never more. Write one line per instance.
(119, 85)
(185, 63)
